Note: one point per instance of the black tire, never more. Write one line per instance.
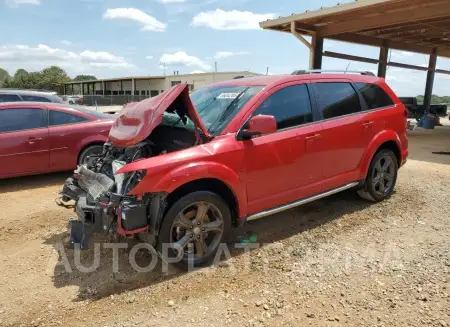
(381, 177)
(168, 226)
(90, 150)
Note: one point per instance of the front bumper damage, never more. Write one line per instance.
(99, 210)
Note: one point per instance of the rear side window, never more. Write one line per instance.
(336, 99)
(374, 95)
(9, 98)
(12, 120)
(63, 118)
(290, 106)
(35, 98)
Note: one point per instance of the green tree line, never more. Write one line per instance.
(435, 99)
(49, 79)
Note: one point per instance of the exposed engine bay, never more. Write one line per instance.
(102, 203)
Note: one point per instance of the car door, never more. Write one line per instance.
(65, 130)
(283, 167)
(378, 107)
(344, 131)
(24, 142)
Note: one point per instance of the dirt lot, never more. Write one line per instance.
(339, 261)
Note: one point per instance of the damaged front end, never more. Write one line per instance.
(102, 195)
(103, 206)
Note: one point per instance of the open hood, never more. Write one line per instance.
(138, 119)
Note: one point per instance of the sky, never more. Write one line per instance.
(117, 38)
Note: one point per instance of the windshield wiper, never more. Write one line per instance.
(228, 110)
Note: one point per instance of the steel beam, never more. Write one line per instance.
(317, 52)
(430, 80)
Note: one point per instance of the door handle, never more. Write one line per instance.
(313, 137)
(32, 140)
(367, 124)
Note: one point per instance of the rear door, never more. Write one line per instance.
(24, 142)
(377, 105)
(65, 131)
(344, 131)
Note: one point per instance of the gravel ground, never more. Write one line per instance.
(335, 262)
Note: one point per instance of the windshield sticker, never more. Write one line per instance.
(228, 96)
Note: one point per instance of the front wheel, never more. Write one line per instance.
(381, 177)
(194, 227)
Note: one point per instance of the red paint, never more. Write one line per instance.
(48, 149)
(262, 124)
(281, 167)
(138, 119)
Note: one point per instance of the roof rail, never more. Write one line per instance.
(319, 71)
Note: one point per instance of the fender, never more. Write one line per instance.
(190, 172)
(377, 141)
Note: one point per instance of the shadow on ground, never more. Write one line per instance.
(33, 182)
(104, 282)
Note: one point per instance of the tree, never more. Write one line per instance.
(4, 75)
(84, 78)
(50, 79)
(53, 79)
(20, 73)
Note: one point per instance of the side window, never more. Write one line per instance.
(336, 99)
(34, 98)
(9, 98)
(290, 106)
(374, 95)
(18, 119)
(63, 118)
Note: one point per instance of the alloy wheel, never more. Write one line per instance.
(383, 177)
(197, 230)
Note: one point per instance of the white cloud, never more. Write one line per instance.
(226, 54)
(16, 3)
(149, 57)
(230, 20)
(150, 24)
(183, 59)
(197, 72)
(171, 1)
(66, 42)
(37, 58)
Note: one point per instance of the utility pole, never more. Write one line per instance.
(215, 65)
(267, 70)
(164, 64)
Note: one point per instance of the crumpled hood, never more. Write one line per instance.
(137, 120)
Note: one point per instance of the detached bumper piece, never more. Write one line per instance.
(91, 219)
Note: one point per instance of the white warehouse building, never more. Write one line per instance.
(148, 85)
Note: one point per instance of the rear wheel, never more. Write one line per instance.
(381, 177)
(84, 159)
(194, 227)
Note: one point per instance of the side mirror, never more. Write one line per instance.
(259, 125)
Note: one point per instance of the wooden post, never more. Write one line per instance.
(430, 80)
(316, 52)
(382, 64)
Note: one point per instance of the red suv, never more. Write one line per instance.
(182, 169)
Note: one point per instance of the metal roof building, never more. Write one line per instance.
(410, 25)
(147, 85)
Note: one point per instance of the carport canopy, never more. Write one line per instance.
(410, 25)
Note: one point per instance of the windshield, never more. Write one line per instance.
(216, 106)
